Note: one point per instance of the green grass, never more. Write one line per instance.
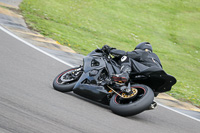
(4, 7)
(172, 27)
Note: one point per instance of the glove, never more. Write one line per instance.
(106, 49)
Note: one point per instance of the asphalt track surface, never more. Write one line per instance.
(29, 104)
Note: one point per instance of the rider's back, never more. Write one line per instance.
(146, 58)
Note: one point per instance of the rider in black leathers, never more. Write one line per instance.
(143, 53)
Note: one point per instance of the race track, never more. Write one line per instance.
(29, 104)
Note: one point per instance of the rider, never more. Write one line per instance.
(143, 53)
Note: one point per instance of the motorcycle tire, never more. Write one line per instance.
(138, 104)
(68, 85)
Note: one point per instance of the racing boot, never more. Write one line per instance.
(121, 78)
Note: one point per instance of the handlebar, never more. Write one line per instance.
(105, 54)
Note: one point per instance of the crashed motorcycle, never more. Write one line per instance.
(93, 80)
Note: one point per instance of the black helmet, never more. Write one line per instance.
(144, 46)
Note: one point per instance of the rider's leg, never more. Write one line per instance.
(125, 63)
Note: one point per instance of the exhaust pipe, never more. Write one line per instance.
(152, 106)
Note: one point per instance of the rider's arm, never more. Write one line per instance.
(117, 53)
(113, 51)
(134, 55)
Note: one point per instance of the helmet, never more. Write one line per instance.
(144, 46)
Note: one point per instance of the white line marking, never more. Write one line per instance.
(16, 37)
(36, 48)
(178, 112)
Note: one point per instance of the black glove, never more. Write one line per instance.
(106, 49)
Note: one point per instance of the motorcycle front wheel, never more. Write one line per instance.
(135, 105)
(66, 80)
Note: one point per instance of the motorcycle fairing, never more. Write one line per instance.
(87, 84)
(88, 63)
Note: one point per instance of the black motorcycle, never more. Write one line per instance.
(93, 80)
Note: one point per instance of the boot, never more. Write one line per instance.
(121, 78)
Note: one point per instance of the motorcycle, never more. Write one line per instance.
(93, 80)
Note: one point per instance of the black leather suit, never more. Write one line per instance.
(146, 58)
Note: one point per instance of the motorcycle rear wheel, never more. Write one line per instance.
(132, 106)
(66, 80)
